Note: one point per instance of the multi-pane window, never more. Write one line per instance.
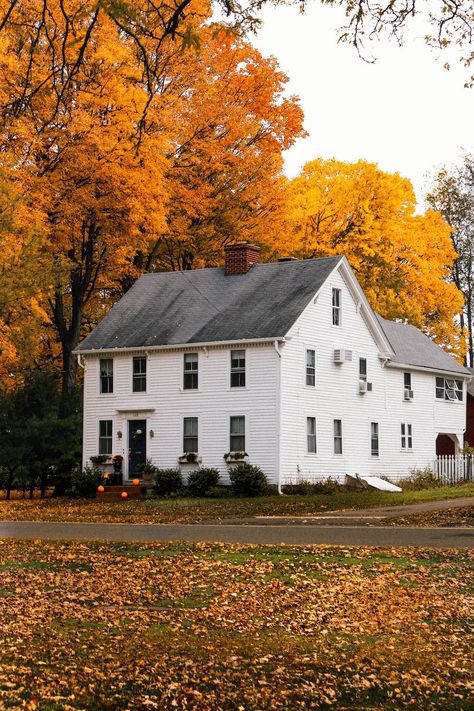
(237, 434)
(311, 434)
(190, 378)
(139, 375)
(105, 437)
(237, 369)
(406, 435)
(407, 381)
(363, 369)
(337, 436)
(374, 439)
(336, 307)
(449, 389)
(106, 375)
(310, 367)
(190, 434)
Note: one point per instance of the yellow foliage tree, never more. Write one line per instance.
(402, 259)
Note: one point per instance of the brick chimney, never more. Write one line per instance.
(240, 257)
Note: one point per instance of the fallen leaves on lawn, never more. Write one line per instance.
(449, 518)
(213, 626)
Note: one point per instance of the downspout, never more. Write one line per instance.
(79, 361)
(278, 413)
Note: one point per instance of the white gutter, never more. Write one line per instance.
(427, 369)
(278, 414)
(179, 346)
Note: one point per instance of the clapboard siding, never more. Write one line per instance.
(336, 396)
(213, 404)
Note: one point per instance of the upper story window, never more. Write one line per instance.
(449, 389)
(237, 369)
(105, 436)
(363, 369)
(237, 434)
(190, 434)
(374, 439)
(139, 375)
(310, 367)
(337, 436)
(407, 381)
(406, 431)
(190, 377)
(106, 375)
(311, 435)
(336, 307)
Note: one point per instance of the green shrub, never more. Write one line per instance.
(419, 479)
(248, 480)
(83, 484)
(167, 481)
(306, 488)
(219, 492)
(201, 480)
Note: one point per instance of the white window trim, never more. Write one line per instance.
(372, 455)
(307, 452)
(230, 434)
(190, 390)
(336, 325)
(105, 419)
(444, 399)
(147, 372)
(239, 389)
(306, 349)
(406, 436)
(184, 417)
(99, 382)
(338, 454)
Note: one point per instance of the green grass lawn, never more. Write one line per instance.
(212, 626)
(184, 510)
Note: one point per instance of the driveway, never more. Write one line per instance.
(346, 535)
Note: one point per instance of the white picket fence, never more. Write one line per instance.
(452, 469)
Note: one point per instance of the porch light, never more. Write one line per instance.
(152, 434)
(119, 434)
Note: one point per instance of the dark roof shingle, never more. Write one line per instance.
(413, 347)
(205, 306)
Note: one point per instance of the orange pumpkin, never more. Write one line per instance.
(100, 489)
(124, 495)
(136, 482)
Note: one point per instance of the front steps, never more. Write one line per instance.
(114, 492)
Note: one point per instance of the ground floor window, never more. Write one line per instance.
(337, 424)
(311, 434)
(237, 433)
(406, 436)
(374, 439)
(190, 434)
(105, 437)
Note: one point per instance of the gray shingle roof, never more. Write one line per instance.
(412, 347)
(205, 306)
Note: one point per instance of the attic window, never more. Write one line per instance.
(336, 307)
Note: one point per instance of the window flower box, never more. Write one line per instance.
(190, 458)
(236, 457)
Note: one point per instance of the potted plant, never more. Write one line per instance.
(117, 460)
(147, 472)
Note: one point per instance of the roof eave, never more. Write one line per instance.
(427, 369)
(179, 346)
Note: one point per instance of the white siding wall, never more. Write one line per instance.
(213, 404)
(336, 396)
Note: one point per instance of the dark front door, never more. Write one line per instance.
(136, 446)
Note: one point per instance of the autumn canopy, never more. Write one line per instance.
(145, 137)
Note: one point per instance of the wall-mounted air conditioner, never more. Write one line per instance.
(365, 387)
(342, 355)
(408, 394)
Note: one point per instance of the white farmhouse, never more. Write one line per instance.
(285, 361)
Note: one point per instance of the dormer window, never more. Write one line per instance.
(336, 307)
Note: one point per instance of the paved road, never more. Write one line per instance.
(307, 534)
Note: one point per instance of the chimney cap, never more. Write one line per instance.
(287, 259)
(241, 245)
